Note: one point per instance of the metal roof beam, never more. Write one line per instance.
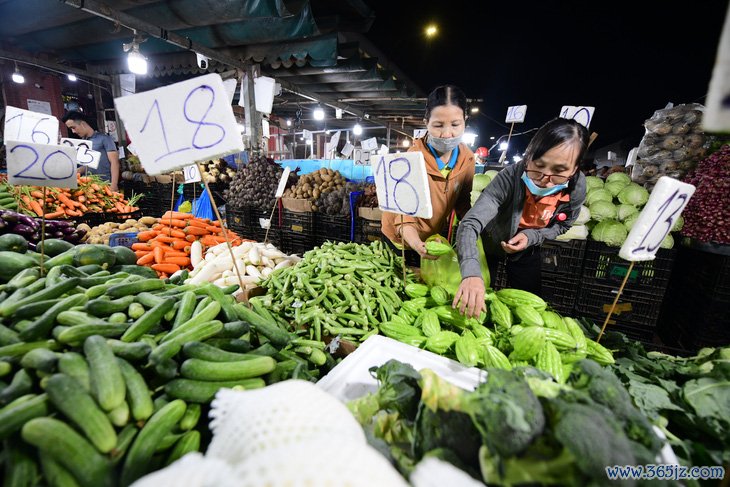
(51, 65)
(348, 66)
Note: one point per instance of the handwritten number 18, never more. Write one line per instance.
(388, 176)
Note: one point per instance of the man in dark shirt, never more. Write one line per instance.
(109, 161)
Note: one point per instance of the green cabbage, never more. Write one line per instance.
(625, 211)
(633, 194)
(603, 210)
(475, 196)
(630, 220)
(610, 232)
(576, 232)
(678, 224)
(492, 173)
(619, 177)
(668, 242)
(615, 187)
(593, 182)
(598, 195)
(481, 181)
(584, 216)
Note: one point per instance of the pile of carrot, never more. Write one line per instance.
(93, 195)
(167, 247)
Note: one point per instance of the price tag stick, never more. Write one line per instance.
(223, 228)
(271, 218)
(615, 301)
(403, 254)
(504, 153)
(172, 204)
(43, 233)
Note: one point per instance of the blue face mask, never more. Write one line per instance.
(538, 191)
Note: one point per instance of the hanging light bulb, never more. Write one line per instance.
(71, 77)
(136, 62)
(288, 122)
(406, 142)
(318, 113)
(357, 129)
(17, 76)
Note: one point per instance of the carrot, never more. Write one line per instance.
(83, 208)
(141, 246)
(141, 253)
(108, 191)
(213, 229)
(181, 261)
(180, 244)
(176, 215)
(216, 223)
(176, 253)
(37, 194)
(165, 239)
(158, 255)
(174, 222)
(145, 236)
(166, 268)
(65, 200)
(211, 240)
(148, 258)
(196, 231)
(197, 223)
(55, 214)
(36, 207)
(191, 238)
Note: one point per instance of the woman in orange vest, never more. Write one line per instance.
(450, 169)
(536, 199)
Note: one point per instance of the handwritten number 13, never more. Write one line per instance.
(669, 221)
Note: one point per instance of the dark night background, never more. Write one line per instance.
(625, 58)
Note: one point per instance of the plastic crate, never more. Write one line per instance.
(635, 308)
(238, 221)
(560, 291)
(603, 266)
(369, 231)
(122, 239)
(336, 228)
(258, 232)
(564, 258)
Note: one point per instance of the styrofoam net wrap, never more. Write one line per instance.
(245, 423)
(432, 472)
(319, 463)
(192, 470)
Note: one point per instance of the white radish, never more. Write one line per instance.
(267, 262)
(253, 271)
(267, 272)
(283, 264)
(254, 256)
(210, 270)
(196, 253)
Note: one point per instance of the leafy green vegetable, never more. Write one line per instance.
(610, 232)
(603, 210)
(633, 194)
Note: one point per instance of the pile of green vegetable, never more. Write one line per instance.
(518, 427)
(339, 289)
(105, 369)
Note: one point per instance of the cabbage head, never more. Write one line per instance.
(610, 232)
(481, 181)
(630, 220)
(619, 177)
(576, 232)
(475, 196)
(633, 194)
(678, 224)
(583, 217)
(625, 211)
(615, 187)
(668, 242)
(593, 182)
(603, 210)
(598, 195)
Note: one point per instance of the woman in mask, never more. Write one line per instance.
(450, 169)
(527, 203)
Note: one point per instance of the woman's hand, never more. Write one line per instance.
(471, 295)
(409, 235)
(518, 243)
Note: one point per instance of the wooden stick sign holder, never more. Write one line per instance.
(666, 203)
(515, 114)
(277, 197)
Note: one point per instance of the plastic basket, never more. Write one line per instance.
(635, 308)
(238, 221)
(122, 239)
(369, 231)
(603, 266)
(564, 258)
(259, 232)
(560, 291)
(331, 227)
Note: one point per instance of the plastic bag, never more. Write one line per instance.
(202, 207)
(445, 271)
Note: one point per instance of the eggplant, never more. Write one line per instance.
(27, 220)
(32, 246)
(9, 216)
(24, 230)
(67, 230)
(74, 237)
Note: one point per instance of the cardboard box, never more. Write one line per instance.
(374, 214)
(250, 293)
(297, 205)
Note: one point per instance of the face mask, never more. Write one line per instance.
(444, 144)
(538, 191)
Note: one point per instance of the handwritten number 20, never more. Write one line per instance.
(22, 174)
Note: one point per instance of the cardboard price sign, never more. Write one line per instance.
(582, 115)
(26, 126)
(282, 183)
(402, 184)
(41, 164)
(666, 203)
(180, 124)
(516, 114)
(84, 155)
(192, 174)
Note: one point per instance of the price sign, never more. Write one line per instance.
(191, 174)
(282, 183)
(418, 133)
(26, 126)
(370, 144)
(84, 155)
(383, 149)
(361, 157)
(582, 115)
(307, 135)
(347, 149)
(180, 124)
(667, 201)
(41, 164)
(516, 114)
(402, 184)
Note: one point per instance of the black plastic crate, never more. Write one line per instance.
(635, 308)
(256, 229)
(335, 228)
(565, 258)
(370, 231)
(560, 291)
(604, 267)
(297, 231)
(295, 242)
(238, 221)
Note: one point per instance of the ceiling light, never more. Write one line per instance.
(474, 110)
(431, 30)
(318, 113)
(406, 142)
(491, 138)
(136, 62)
(357, 129)
(71, 77)
(503, 146)
(288, 122)
(517, 158)
(469, 138)
(17, 77)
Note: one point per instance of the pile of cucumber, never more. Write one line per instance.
(106, 371)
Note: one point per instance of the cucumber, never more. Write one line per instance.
(167, 442)
(157, 427)
(70, 449)
(166, 369)
(21, 469)
(40, 359)
(206, 314)
(136, 270)
(149, 300)
(118, 318)
(12, 242)
(190, 442)
(21, 348)
(8, 336)
(170, 348)
(104, 307)
(125, 289)
(100, 289)
(107, 382)
(224, 300)
(54, 473)
(74, 365)
(146, 322)
(234, 329)
(37, 285)
(17, 413)
(71, 271)
(124, 441)
(185, 309)
(90, 269)
(23, 279)
(17, 295)
(138, 395)
(71, 399)
(55, 291)
(54, 246)
(267, 349)
(77, 334)
(204, 351)
(119, 416)
(276, 335)
(133, 352)
(191, 417)
(43, 324)
(5, 368)
(203, 391)
(12, 263)
(136, 311)
(235, 345)
(170, 315)
(194, 368)
(73, 318)
(202, 304)
(34, 309)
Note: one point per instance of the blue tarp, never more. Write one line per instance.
(346, 166)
